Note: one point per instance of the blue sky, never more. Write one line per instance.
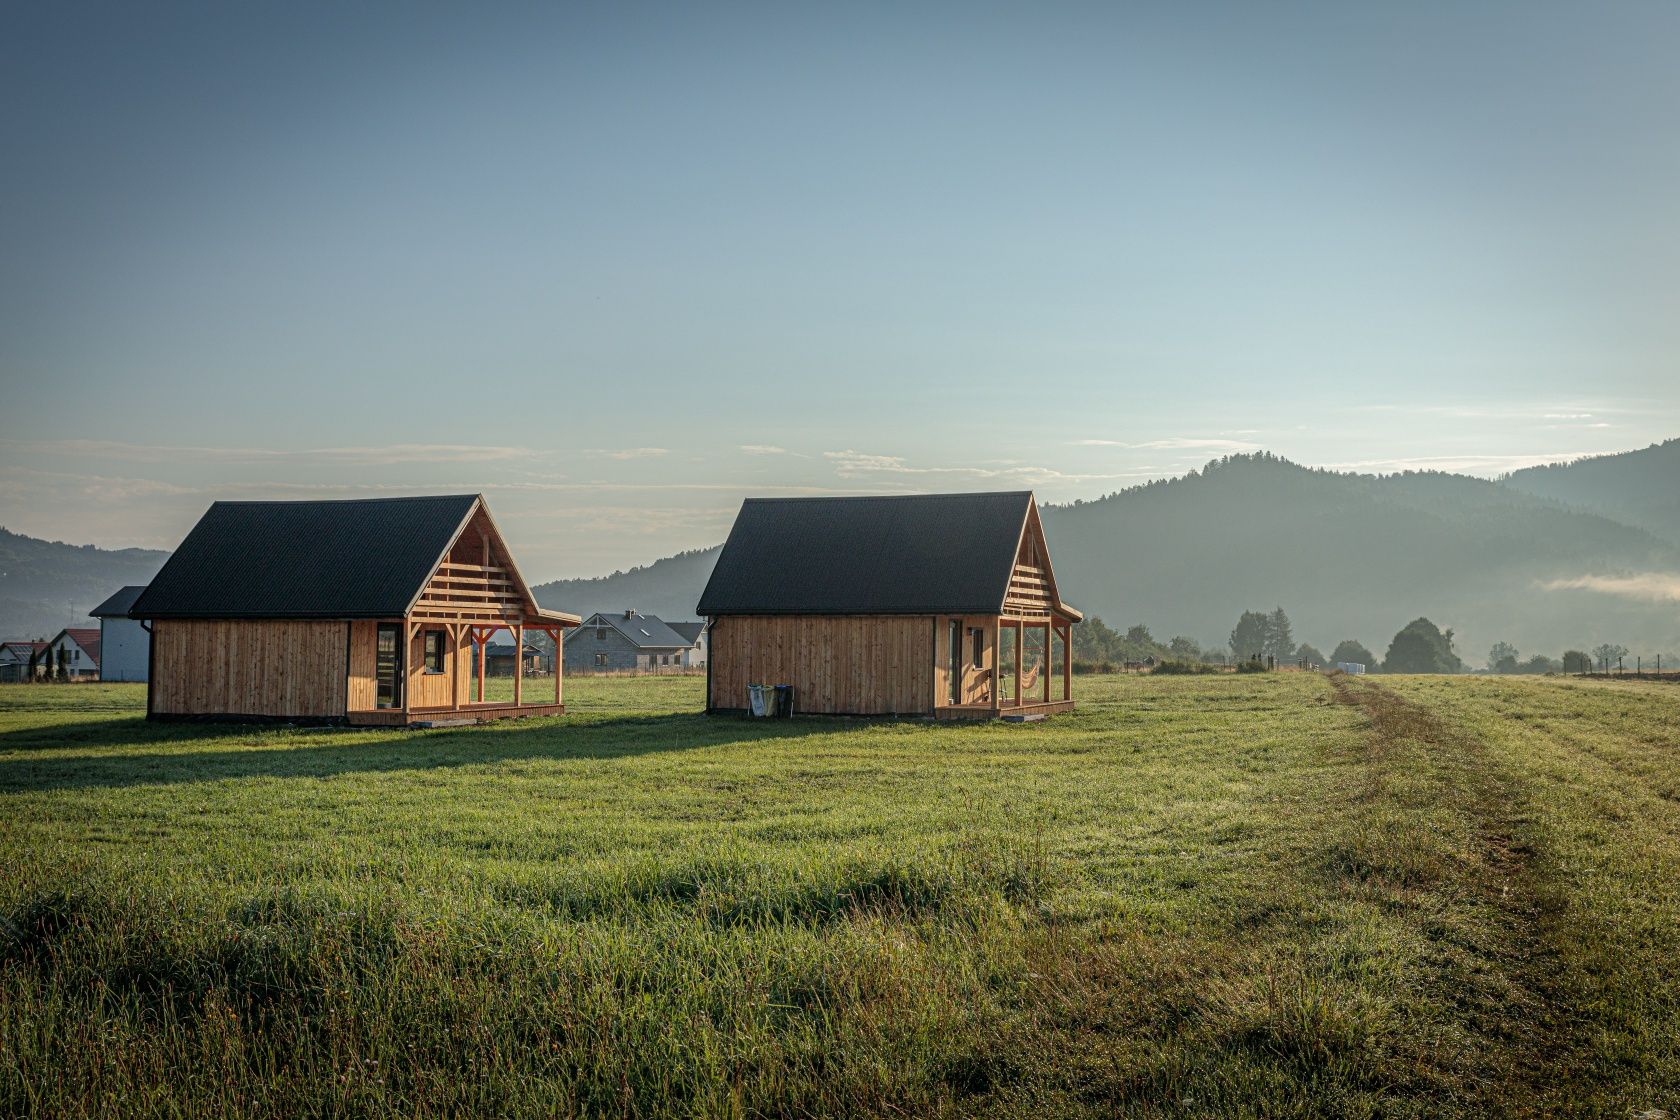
(620, 267)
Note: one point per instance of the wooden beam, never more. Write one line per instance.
(1020, 633)
(518, 661)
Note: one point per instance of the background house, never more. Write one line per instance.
(695, 632)
(626, 641)
(72, 654)
(498, 659)
(125, 646)
(18, 660)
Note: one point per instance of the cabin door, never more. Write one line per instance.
(388, 667)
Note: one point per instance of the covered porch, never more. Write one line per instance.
(433, 666)
(1016, 666)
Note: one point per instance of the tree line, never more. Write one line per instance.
(1268, 637)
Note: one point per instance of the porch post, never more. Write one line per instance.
(518, 661)
(455, 682)
(480, 638)
(1049, 648)
(557, 634)
(1020, 634)
(992, 639)
(1067, 661)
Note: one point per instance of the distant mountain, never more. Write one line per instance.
(1357, 556)
(668, 588)
(1635, 487)
(1347, 555)
(48, 585)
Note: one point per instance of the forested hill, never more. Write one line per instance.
(1636, 487)
(1346, 555)
(668, 588)
(1356, 556)
(48, 585)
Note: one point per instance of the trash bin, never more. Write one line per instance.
(784, 701)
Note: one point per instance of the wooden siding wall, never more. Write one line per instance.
(847, 665)
(364, 649)
(976, 683)
(437, 690)
(255, 667)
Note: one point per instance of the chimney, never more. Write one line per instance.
(629, 614)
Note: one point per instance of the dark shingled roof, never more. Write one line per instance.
(118, 604)
(914, 554)
(364, 558)
(645, 631)
(688, 631)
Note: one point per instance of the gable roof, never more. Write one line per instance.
(645, 631)
(118, 604)
(22, 648)
(87, 637)
(359, 558)
(909, 554)
(690, 631)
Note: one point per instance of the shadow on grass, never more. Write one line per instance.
(324, 752)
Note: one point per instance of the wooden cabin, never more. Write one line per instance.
(372, 612)
(943, 605)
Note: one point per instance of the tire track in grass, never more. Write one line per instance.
(1496, 962)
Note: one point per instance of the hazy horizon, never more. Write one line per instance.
(618, 269)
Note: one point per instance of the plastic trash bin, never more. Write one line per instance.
(784, 701)
(760, 701)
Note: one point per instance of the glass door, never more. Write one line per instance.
(388, 668)
(955, 668)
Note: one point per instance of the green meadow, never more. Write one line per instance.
(1236, 896)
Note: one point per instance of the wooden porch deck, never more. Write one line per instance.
(1036, 710)
(451, 717)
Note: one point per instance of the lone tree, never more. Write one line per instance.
(1310, 655)
(1249, 638)
(1420, 647)
(1502, 658)
(1576, 661)
(1280, 640)
(1350, 652)
(1607, 653)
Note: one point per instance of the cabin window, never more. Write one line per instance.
(601, 661)
(434, 651)
(600, 633)
(388, 669)
(977, 639)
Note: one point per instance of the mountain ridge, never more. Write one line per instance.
(1347, 555)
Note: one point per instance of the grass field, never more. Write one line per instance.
(1267, 895)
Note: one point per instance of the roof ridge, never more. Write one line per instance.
(893, 497)
(342, 501)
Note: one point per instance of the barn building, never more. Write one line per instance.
(368, 612)
(943, 605)
(125, 647)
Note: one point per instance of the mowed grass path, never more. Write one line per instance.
(1264, 895)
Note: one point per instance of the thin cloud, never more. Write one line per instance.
(1175, 443)
(628, 452)
(763, 449)
(858, 464)
(387, 455)
(1653, 587)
